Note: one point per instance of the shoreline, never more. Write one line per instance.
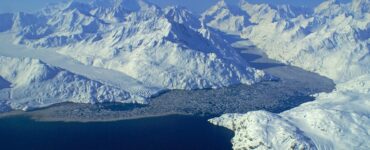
(274, 96)
(69, 120)
(43, 117)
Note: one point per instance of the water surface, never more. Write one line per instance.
(158, 133)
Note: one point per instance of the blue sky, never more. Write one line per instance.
(196, 6)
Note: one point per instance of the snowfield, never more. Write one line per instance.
(332, 40)
(333, 35)
(131, 45)
(154, 46)
(34, 84)
(337, 120)
(128, 51)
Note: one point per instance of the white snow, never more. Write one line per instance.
(35, 84)
(127, 44)
(333, 41)
(337, 120)
(225, 18)
(49, 56)
(146, 44)
(334, 35)
(263, 130)
(127, 51)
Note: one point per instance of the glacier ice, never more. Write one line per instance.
(156, 49)
(34, 84)
(333, 35)
(149, 44)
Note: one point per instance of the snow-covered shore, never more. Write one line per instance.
(337, 120)
(332, 41)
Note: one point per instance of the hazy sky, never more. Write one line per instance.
(194, 5)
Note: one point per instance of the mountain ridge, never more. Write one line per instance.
(166, 48)
(332, 40)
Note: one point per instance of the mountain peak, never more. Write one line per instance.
(129, 5)
(113, 36)
(361, 6)
(329, 8)
(182, 16)
(74, 5)
(221, 3)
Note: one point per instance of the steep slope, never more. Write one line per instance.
(159, 47)
(338, 39)
(232, 19)
(263, 130)
(226, 18)
(182, 16)
(333, 41)
(334, 35)
(34, 84)
(337, 120)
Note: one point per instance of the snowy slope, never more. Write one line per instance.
(226, 18)
(51, 57)
(164, 48)
(122, 45)
(337, 120)
(334, 35)
(333, 40)
(34, 84)
(263, 130)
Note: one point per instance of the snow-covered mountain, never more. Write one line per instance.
(332, 40)
(149, 44)
(232, 19)
(226, 18)
(333, 35)
(30, 83)
(337, 120)
(167, 48)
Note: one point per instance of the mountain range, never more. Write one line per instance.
(331, 40)
(162, 48)
(130, 50)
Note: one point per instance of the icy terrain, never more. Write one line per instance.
(333, 35)
(33, 84)
(147, 43)
(131, 45)
(129, 51)
(337, 120)
(333, 40)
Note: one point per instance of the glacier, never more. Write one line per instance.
(144, 43)
(332, 40)
(127, 45)
(333, 35)
(34, 84)
(129, 51)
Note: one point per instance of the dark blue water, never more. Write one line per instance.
(159, 133)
